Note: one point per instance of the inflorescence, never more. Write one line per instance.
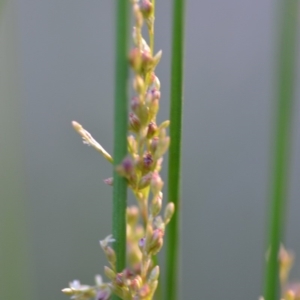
(289, 290)
(147, 144)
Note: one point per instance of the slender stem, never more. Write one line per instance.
(158, 295)
(174, 168)
(158, 292)
(151, 31)
(120, 131)
(16, 259)
(282, 143)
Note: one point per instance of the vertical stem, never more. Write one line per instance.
(16, 271)
(174, 168)
(120, 131)
(282, 143)
(151, 31)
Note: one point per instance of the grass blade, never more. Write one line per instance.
(282, 143)
(120, 130)
(174, 168)
(16, 271)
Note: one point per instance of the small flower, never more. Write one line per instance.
(75, 285)
(78, 291)
(154, 273)
(146, 8)
(103, 294)
(109, 181)
(134, 123)
(151, 131)
(142, 243)
(169, 212)
(109, 252)
(148, 161)
(126, 168)
(156, 183)
(109, 239)
(98, 280)
(145, 181)
(156, 204)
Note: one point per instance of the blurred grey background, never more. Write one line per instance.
(56, 65)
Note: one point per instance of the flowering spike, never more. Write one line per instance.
(145, 227)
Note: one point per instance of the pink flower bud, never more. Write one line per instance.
(142, 243)
(138, 16)
(126, 168)
(155, 94)
(135, 104)
(119, 279)
(152, 128)
(103, 294)
(156, 183)
(147, 61)
(145, 181)
(109, 181)
(154, 103)
(148, 161)
(146, 8)
(156, 204)
(134, 123)
(153, 145)
(144, 291)
(156, 241)
(136, 283)
(135, 59)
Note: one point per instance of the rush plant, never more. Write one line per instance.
(139, 230)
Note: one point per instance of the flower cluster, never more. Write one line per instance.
(147, 142)
(289, 290)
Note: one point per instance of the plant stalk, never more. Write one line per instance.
(174, 166)
(282, 142)
(151, 31)
(120, 131)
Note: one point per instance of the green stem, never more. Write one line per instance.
(158, 293)
(282, 143)
(120, 132)
(174, 168)
(16, 259)
(151, 31)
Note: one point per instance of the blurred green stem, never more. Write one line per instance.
(120, 131)
(2, 2)
(174, 167)
(151, 32)
(282, 143)
(16, 271)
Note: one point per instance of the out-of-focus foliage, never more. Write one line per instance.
(14, 255)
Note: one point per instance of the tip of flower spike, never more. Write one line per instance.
(76, 125)
(67, 291)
